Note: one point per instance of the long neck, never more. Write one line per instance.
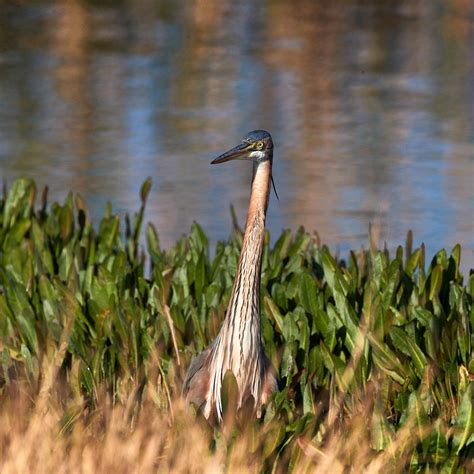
(238, 346)
(244, 305)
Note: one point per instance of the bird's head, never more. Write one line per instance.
(256, 146)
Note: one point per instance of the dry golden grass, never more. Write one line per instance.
(50, 430)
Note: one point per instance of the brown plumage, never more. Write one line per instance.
(238, 345)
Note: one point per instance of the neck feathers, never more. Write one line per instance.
(247, 282)
(262, 173)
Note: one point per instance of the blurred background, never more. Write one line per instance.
(370, 104)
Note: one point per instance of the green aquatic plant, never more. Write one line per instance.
(374, 353)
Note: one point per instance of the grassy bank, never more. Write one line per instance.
(374, 353)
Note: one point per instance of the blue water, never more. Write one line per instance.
(370, 104)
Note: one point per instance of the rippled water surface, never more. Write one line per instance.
(371, 106)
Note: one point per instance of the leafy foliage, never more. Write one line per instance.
(387, 340)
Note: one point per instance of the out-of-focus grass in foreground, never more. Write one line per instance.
(374, 354)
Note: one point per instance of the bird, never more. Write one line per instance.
(238, 346)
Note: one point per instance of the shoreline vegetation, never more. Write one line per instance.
(374, 353)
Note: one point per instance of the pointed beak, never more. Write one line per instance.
(235, 153)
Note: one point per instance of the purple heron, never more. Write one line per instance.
(238, 346)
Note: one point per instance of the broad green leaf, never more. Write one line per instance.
(387, 361)
(435, 281)
(307, 292)
(200, 279)
(273, 312)
(404, 343)
(464, 424)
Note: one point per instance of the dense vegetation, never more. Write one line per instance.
(374, 354)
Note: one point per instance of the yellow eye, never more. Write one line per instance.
(259, 145)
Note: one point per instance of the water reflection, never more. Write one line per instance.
(370, 104)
